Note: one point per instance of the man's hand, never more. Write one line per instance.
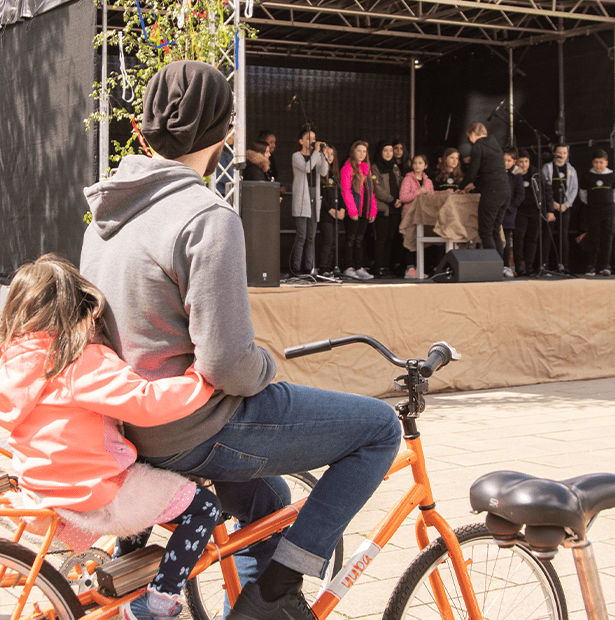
(550, 217)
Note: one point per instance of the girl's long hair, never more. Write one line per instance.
(334, 168)
(457, 174)
(50, 295)
(358, 178)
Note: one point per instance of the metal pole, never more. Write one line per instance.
(412, 105)
(561, 121)
(103, 125)
(239, 145)
(511, 114)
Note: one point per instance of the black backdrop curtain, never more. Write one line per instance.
(46, 155)
(343, 106)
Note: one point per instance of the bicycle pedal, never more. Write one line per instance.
(130, 572)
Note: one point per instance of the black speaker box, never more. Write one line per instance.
(260, 212)
(470, 266)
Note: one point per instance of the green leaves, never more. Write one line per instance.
(200, 29)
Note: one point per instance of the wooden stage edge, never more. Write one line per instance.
(509, 333)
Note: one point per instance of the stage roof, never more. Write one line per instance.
(394, 31)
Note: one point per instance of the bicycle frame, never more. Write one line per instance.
(225, 545)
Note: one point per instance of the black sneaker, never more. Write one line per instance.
(591, 271)
(251, 606)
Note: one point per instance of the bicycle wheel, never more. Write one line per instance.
(50, 590)
(508, 583)
(205, 593)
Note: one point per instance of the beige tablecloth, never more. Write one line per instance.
(453, 216)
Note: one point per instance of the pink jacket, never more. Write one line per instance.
(411, 188)
(347, 195)
(65, 435)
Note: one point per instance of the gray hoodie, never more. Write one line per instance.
(170, 258)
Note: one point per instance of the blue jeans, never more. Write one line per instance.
(286, 429)
(303, 249)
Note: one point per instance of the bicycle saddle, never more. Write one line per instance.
(545, 507)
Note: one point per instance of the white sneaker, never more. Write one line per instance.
(364, 275)
(351, 273)
(508, 272)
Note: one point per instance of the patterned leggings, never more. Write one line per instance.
(186, 544)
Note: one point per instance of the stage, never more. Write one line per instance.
(509, 333)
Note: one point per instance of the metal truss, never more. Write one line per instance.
(394, 31)
(232, 64)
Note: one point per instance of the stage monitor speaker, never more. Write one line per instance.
(470, 266)
(260, 212)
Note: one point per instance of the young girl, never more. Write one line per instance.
(387, 181)
(360, 201)
(331, 208)
(63, 395)
(416, 182)
(449, 175)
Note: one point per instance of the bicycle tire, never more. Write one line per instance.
(50, 587)
(509, 583)
(205, 594)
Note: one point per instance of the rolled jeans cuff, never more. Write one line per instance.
(299, 559)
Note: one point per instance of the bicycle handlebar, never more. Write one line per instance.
(439, 355)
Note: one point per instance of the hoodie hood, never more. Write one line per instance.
(607, 170)
(22, 380)
(138, 183)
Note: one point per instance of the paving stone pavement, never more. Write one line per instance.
(555, 430)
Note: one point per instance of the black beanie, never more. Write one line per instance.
(186, 108)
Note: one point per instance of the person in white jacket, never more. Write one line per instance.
(309, 164)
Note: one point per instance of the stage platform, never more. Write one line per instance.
(518, 332)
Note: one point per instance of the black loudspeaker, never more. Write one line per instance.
(470, 266)
(260, 212)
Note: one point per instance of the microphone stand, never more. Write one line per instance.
(337, 272)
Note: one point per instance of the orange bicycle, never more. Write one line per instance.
(462, 574)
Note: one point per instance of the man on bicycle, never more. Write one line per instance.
(170, 258)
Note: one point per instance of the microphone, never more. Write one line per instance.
(496, 110)
(291, 104)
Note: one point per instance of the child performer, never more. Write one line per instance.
(331, 208)
(63, 397)
(597, 189)
(360, 201)
(416, 182)
(449, 175)
(517, 195)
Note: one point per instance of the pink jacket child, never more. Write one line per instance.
(349, 196)
(68, 448)
(411, 188)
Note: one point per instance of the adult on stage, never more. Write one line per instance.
(487, 173)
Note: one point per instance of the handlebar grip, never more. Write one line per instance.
(307, 349)
(439, 355)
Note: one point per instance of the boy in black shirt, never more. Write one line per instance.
(597, 192)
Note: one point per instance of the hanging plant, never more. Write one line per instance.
(155, 33)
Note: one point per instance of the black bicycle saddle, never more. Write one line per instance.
(520, 499)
